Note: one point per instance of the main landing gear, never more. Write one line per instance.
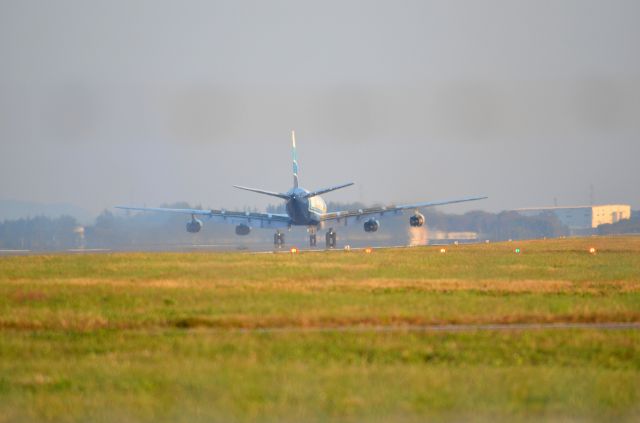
(331, 238)
(312, 236)
(278, 239)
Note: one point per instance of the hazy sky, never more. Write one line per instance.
(145, 102)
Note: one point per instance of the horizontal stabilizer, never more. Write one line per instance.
(324, 190)
(261, 191)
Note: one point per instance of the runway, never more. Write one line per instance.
(191, 248)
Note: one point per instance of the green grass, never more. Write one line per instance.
(177, 337)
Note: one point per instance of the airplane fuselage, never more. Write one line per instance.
(304, 211)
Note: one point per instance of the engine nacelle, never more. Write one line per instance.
(243, 229)
(416, 220)
(371, 225)
(194, 226)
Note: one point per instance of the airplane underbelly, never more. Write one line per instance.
(298, 213)
(305, 212)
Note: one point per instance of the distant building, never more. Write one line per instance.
(454, 236)
(582, 220)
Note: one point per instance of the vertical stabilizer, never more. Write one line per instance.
(295, 159)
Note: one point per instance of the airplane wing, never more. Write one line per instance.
(256, 220)
(393, 209)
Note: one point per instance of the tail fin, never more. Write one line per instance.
(295, 159)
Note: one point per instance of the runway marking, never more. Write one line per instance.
(88, 250)
(209, 245)
(322, 250)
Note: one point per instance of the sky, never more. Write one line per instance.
(151, 102)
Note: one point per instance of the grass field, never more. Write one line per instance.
(319, 336)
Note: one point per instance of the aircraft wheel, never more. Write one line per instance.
(278, 239)
(331, 238)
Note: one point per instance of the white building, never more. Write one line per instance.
(583, 219)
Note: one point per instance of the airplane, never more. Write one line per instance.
(304, 208)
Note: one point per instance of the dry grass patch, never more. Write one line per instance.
(441, 285)
(70, 322)
(120, 282)
(28, 296)
(314, 285)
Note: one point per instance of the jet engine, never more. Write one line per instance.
(194, 226)
(416, 220)
(242, 229)
(371, 225)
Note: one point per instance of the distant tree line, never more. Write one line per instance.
(628, 226)
(39, 233)
(148, 230)
(499, 226)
